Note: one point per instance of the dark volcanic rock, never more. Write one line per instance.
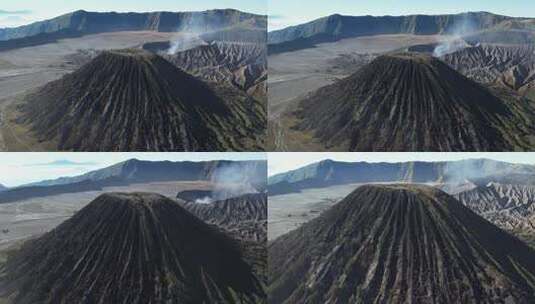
(132, 100)
(131, 248)
(400, 244)
(244, 216)
(414, 102)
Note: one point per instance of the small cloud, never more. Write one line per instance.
(18, 12)
(63, 163)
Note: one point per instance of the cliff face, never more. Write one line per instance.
(83, 22)
(336, 27)
(131, 248)
(395, 244)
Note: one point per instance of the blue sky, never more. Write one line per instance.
(19, 12)
(282, 162)
(284, 12)
(23, 168)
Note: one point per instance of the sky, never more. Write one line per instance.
(284, 13)
(283, 162)
(20, 12)
(21, 168)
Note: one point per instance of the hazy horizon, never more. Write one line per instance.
(23, 168)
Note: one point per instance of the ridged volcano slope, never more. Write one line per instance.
(131, 248)
(510, 66)
(400, 244)
(414, 102)
(132, 100)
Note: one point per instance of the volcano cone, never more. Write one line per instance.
(400, 244)
(131, 248)
(413, 102)
(132, 100)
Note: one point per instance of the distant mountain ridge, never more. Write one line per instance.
(84, 22)
(475, 27)
(335, 27)
(328, 173)
(138, 171)
(135, 170)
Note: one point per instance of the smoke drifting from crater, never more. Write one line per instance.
(187, 35)
(232, 181)
(454, 41)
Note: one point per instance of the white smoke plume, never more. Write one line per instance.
(231, 181)
(204, 200)
(187, 35)
(454, 41)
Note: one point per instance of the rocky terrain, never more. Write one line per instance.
(244, 216)
(165, 254)
(154, 105)
(400, 244)
(508, 206)
(512, 66)
(241, 65)
(371, 110)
